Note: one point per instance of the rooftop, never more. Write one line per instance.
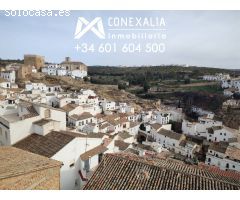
(170, 134)
(156, 126)
(42, 122)
(15, 162)
(83, 116)
(47, 145)
(11, 117)
(84, 135)
(133, 124)
(124, 135)
(92, 152)
(69, 107)
(233, 153)
(121, 145)
(219, 147)
(129, 172)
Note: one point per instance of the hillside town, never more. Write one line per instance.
(55, 138)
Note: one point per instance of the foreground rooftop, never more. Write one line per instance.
(15, 162)
(129, 172)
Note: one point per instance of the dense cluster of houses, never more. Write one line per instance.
(216, 77)
(66, 68)
(77, 128)
(229, 84)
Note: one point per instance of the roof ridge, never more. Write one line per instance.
(144, 161)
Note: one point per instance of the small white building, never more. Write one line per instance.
(216, 77)
(133, 128)
(221, 134)
(29, 86)
(66, 148)
(9, 75)
(81, 120)
(5, 84)
(124, 108)
(229, 92)
(108, 105)
(223, 156)
(199, 128)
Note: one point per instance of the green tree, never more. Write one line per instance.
(146, 86)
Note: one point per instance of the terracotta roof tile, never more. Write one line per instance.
(14, 162)
(129, 172)
(92, 152)
(47, 145)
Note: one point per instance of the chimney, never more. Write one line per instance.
(67, 59)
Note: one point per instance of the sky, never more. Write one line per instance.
(200, 38)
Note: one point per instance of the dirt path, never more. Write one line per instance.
(198, 84)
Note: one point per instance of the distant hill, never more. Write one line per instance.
(3, 63)
(136, 75)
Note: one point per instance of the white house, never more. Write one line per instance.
(90, 128)
(87, 92)
(133, 128)
(199, 128)
(169, 139)
(202, 112)
(66, 68)
(5, 84)
(216, 77)
(20, 124)
(77, 73)
(124, 108)
(162, 117)
(176, 114)
(9, 75)
(29, 86)
(66, 148)
(221, 134)
(223, 156)
(231, 83)
(230, 91)
(108, 105)
(79, 121)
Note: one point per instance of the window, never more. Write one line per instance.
(224, 134)
(209, 159)
(233, 166)
(6, 135)
(86, 165)
(100, 157)
(76, 182)
(227, 165)
(47, 113)
(220, 133)
(71, 165)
